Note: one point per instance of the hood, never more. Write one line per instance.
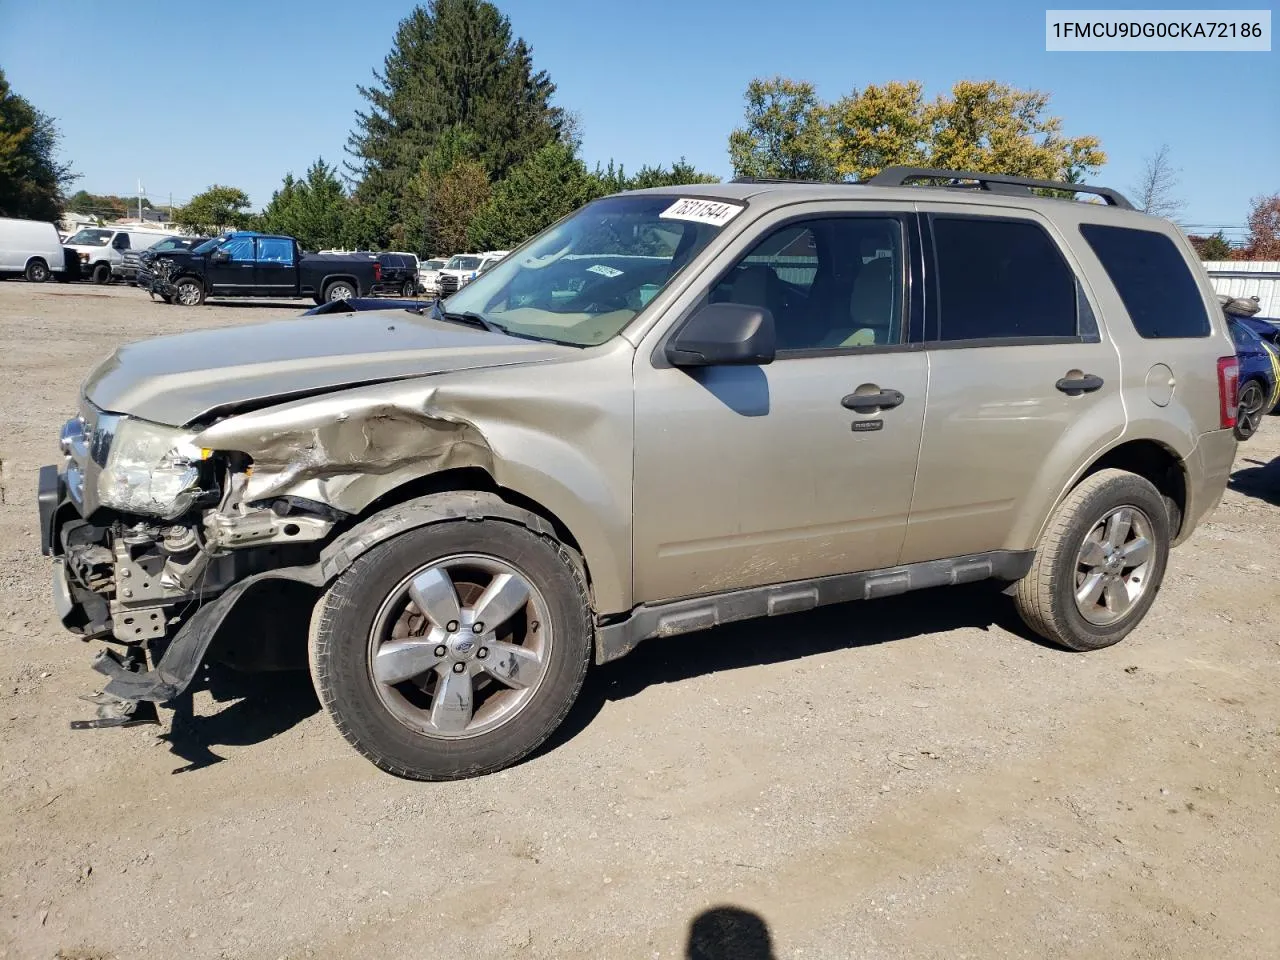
(179, 379)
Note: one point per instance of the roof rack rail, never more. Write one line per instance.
(779, 180)
(992, 182)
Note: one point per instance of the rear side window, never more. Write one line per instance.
(1001, 279)
(1151, 276)
(275, 250)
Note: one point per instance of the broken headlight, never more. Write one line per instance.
(149, 469)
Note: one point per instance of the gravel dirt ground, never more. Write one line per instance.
(912, 777)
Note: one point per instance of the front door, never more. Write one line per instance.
(1021, 384)
(747, 476)
(233, 277)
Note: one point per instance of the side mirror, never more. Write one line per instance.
(724, 334)
(220, 256)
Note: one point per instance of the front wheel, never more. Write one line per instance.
(102, 274)
(1253, 401)
(1099, 564)
(37, 271)
(189, 292)
(454, 649)
(339, 290)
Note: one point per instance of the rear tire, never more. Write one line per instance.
(388, 720)
(1079, 594)
(339, 290)
(37, 271)
(409, 290)
(102, 274)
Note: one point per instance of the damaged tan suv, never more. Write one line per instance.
(673, 409)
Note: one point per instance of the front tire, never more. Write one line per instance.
(1099, 564)
(102, 274)
(454, 649)
(37, 271)
(188, 292)
(1253, 402)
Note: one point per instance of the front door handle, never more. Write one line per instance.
(871, 402)
(1076, 383)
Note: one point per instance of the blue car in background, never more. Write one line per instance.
(1259, 356)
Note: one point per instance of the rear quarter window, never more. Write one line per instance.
(1156, 286)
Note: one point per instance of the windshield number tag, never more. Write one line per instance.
(714, 212)
(605, 271)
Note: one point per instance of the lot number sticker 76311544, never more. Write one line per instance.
(715, 212)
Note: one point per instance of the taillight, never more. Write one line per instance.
(1228, 391)
(377, 271)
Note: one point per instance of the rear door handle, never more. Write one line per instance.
(1084, 383)
(871, 402)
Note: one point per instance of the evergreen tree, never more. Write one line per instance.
(312, 209)
(455, 67)
(549, 185)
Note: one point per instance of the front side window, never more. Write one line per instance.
(1159, 293)
(90, 238)
(830, 284)
(585, 278)
(239, 249)
(275, 250)
(1001, 279)
(121, 242)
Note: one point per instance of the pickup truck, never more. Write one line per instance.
(246, 264)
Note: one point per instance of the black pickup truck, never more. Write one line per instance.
(247, 264)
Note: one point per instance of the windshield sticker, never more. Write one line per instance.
(715, 212)
(605, 271)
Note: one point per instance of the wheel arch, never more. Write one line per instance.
(339, 278)
(1152, 460)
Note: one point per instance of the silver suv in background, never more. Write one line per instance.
(674, 409)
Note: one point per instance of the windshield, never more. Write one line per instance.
(207, 246)
(91, 238)
(172, 243)
(433, 265)
(583, 280)
(463, 263)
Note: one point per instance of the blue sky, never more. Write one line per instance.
(242, 92)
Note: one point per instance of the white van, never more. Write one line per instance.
(31, 248)
(101, 248)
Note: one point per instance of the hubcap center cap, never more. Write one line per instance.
(464, 646)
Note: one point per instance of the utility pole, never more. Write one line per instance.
(139, 201)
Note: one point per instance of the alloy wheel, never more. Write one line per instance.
(460, 646)
(1249, 416)
(1113, 564)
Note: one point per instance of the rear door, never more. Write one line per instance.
(275, 269)
(234, 276)
(1021, 382)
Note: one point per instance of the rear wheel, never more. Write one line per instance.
(454, 649)
(102, 274)
(409, 290)
(37, 271)
(1099, 564)
(189, 292)
(1253, 401)
(339, 290)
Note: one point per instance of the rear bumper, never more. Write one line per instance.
(1208, 469)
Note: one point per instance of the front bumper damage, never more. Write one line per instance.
(158, 592)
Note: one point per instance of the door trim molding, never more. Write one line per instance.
(675, 617)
